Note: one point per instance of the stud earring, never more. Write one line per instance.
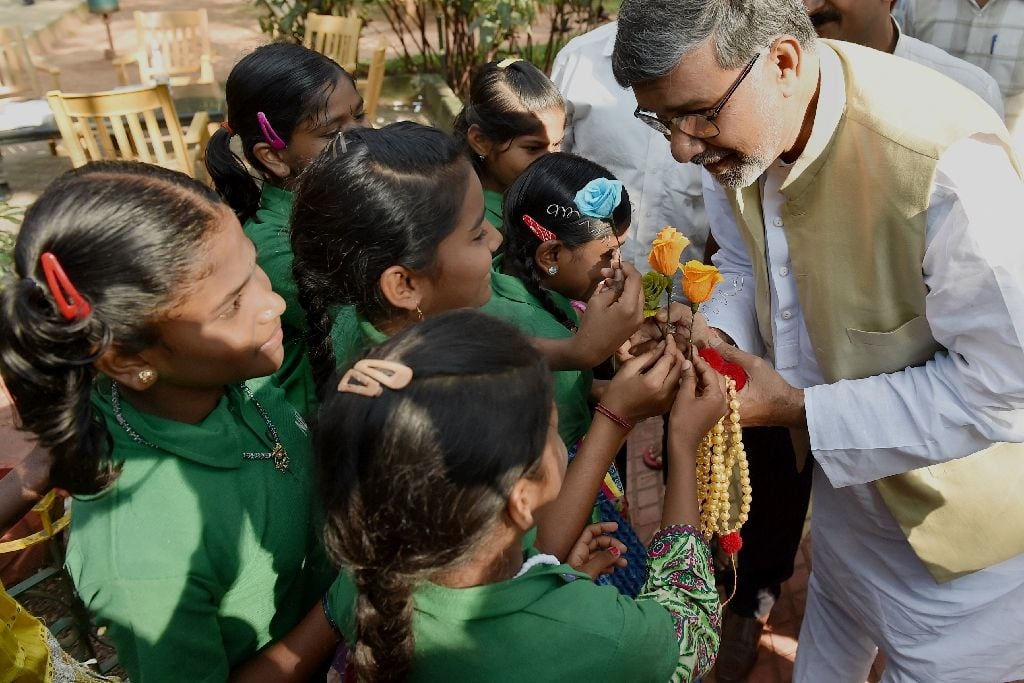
(552, 270)
(483, 157)
(147, 376)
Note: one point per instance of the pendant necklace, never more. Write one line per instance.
(279, 455)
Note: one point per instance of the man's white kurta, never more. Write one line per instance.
(969, 396)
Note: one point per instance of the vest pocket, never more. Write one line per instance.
(875, 353)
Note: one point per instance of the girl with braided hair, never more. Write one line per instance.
(436, 452)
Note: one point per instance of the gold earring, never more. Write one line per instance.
(147, 376)
(419, 313)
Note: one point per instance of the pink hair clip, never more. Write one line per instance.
(542, 233)
(369, 375)
(269, 134)
(71, 304)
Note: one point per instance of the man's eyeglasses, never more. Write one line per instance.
(695, 125)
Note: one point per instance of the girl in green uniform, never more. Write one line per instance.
(514, 115)
(408, 240)
(285, 102)
(566, 218)
(436, 452)
(128, 339)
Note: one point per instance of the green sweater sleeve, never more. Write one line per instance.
(681, 578)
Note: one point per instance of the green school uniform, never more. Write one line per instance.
(513, 303)
(197, 557)
(494, 210)
(553, 623)
(268, 230)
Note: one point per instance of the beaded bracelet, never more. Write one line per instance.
(604, 410)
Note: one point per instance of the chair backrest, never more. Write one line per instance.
(374, 83)
(18, 77)
(174, 47)
(140, 125)
(336, 37)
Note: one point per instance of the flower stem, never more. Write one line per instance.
(668, 307)
(693, 316)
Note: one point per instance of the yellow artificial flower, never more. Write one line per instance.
(666, 251)
(699, 281)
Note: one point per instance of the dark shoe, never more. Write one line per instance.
(738, 651)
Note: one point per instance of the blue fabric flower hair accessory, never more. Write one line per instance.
(599, 197)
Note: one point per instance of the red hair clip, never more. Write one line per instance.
(70, 302)
(542, 233)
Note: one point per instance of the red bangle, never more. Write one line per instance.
(603, 409)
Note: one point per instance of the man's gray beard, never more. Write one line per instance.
(741, 174)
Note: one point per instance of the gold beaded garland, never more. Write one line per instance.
(719, 453)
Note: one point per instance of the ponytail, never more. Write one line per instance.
(47, 363)
(230, 176)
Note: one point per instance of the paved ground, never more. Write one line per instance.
(76, 46)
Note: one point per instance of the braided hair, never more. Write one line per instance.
(414, 480)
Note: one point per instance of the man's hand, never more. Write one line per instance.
(767, 400)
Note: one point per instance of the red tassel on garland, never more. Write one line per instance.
(730, 543)
(724, 367)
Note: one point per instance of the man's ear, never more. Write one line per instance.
(272, 160)
(400, 288)
(787, 56)
(478, 141)
(130, 370)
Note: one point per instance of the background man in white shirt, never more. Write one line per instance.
(986, 33)
(752, 71)
(870, 23)
(599, 126)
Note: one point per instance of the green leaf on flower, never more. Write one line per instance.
(655, 285)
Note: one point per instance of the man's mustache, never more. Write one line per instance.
(824, 17)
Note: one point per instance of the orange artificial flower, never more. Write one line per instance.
(699, 281)
(666, 251)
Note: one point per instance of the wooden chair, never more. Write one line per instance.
(173, 47)
(139, 125)
(334, 36)
(18, 74)
(373, 84)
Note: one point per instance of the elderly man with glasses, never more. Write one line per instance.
(867, 211)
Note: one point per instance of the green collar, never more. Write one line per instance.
(233, 427)
(495, 599)
(512, 288)
(276, 200)
(370, 333)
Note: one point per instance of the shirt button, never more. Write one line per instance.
(783, 271)
(786, 315)
(777, 222)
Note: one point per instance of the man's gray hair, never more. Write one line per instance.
(654, 35)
